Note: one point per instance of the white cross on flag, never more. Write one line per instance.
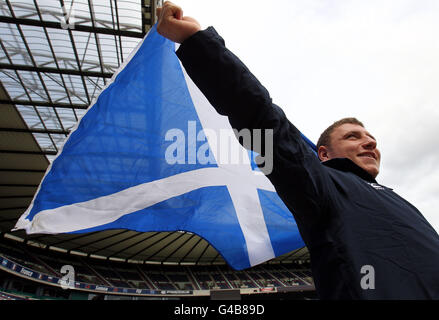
(145, 157)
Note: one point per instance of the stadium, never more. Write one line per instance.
(54, 62)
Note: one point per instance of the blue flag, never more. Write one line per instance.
(147, 157)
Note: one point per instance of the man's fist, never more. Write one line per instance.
(172, 25)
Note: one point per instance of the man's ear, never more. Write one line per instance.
(323, 153)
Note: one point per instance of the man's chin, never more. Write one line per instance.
(372, 170)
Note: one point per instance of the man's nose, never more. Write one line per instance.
(369, 143)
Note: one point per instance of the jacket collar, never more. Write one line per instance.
(347, 165)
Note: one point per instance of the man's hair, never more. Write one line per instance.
(325, 137)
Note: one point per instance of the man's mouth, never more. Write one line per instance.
(368, 155)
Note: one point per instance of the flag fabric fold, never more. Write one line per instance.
(145, 157)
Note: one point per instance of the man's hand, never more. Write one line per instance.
(172, 25)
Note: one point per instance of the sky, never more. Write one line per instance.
(322, 60)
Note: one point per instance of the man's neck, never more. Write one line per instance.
(347, 165)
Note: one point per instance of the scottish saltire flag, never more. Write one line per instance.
(144, 157)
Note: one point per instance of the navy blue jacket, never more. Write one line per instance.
(365, 241)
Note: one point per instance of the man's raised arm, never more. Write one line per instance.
(229, 86)
(235, 92)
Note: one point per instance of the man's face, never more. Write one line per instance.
(352, 141)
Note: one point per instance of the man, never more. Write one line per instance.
(365, 241)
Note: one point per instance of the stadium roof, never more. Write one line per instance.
(55, 58)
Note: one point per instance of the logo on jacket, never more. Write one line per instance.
(376, 186)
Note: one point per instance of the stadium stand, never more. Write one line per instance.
(156, 279)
